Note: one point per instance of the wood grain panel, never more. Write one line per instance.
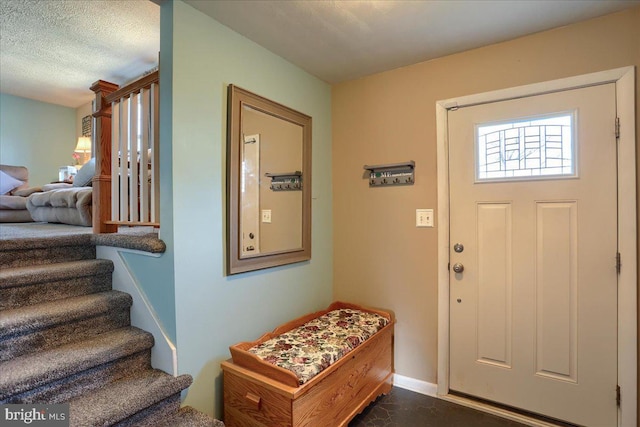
(101, 202)
(241, 407)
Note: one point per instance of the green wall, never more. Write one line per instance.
(214, 311)
(156, 275)
(37, 135)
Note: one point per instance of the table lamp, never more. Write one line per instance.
(83, 146)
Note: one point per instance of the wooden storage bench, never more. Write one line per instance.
(261, 393)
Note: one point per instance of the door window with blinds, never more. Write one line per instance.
(526, 148)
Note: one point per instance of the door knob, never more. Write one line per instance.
(458, 268)
(458, 247)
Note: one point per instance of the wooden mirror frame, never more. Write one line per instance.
(237, 98)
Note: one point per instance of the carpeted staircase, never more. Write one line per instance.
(65, 336)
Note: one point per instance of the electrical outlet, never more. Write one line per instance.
(424, 217)
(266, 215)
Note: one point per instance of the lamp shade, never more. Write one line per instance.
(83, 145)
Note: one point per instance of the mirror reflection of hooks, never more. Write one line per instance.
(265, 136)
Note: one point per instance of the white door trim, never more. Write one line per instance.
(627, 228)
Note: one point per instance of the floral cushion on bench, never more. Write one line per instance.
(309, 349)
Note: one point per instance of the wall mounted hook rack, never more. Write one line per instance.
(391, 174)
(288, 181)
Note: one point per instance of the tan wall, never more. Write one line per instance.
(380, 258)
(280, 152)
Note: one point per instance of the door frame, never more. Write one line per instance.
(624, 78)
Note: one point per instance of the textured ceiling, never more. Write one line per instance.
(53, 51)
(343, 40)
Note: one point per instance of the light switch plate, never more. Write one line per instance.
(266, 215)
(424, 217)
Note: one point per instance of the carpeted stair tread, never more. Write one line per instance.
(34, 242)
(189, 417)
(36, 284)
(122, 399)
(22, 320)
(147, 243)
(67, 388)
(21, 276)
(153, 415)
(21, 252)
(33, 370)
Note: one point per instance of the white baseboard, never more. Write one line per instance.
(413, 384)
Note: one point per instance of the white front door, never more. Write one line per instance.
(533, 213)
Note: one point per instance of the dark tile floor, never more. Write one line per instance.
(403, 408)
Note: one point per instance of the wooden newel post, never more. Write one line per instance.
(101, 202)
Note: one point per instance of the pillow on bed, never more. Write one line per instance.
(8, 183)
(85, 174)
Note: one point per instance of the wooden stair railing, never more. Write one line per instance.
(126, 131)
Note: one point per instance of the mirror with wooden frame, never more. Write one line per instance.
(268, 183)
